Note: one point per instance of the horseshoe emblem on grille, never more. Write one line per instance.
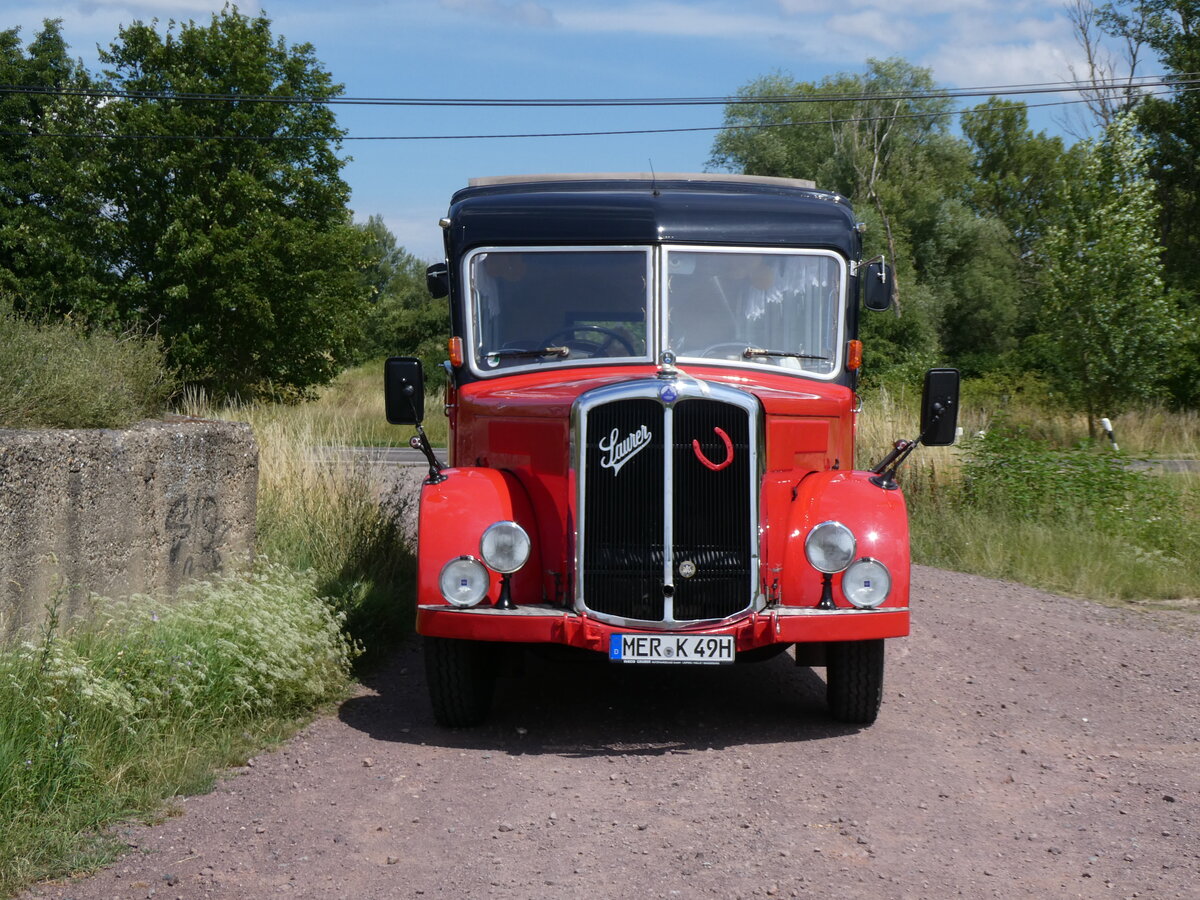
(716, 467)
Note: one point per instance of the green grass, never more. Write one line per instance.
(57, 375)
(1036, 502)
(1080, 522)
(322, 513)
(106, 721)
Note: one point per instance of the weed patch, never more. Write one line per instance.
(57, 375)
(145, 701)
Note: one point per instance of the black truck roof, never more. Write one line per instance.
(643, 208)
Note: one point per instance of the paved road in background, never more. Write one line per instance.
(406, 456)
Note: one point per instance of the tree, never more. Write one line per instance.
(230, 228)
(1017, 174)
(847, 132)
(404, 319)
(50, 210)
(1171, 126)
(1106, 313)
(911, 182)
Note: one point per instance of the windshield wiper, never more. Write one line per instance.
(560, 352)
(751, 352)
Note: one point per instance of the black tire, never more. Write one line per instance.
(854, 680)
(461, 681)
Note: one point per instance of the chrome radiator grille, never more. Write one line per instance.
(664, 537)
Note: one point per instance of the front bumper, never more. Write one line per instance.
(543, 624)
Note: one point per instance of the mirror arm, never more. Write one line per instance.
(420, 441)
(885, 470)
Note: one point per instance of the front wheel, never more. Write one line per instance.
(854, 680)
(461, 681)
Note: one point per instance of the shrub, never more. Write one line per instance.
(1008, 472)
(59, 375)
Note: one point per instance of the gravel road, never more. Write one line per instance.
(1029, 745)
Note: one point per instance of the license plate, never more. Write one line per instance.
(694, 649)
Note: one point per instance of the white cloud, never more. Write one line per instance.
(875, 27)
(519, 12)
(997, 64)
(897, 11)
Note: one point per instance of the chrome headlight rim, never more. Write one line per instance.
(817, 554)
(850, 578)
(505, 536)
(465, 564)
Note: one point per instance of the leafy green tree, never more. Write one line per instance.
(1171, 125)
(1107, 319)
(910, 181)
(231, 232)
(404, 320)
(1017, 174)
(50, 209)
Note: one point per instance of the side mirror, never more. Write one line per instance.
(437, 280)
(404, 390)
(877, 280)
(939, 407)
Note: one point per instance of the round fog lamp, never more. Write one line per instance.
(505, 547)
(830, 547)
(866, 583)
(464, 582)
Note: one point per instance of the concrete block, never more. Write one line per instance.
(117, 512)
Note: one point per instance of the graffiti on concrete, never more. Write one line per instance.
(197, 531)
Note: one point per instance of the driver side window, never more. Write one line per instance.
(534, 307)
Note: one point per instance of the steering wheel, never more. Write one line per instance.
(591, 348)
(711, 349)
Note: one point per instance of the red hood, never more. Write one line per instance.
(550, 394)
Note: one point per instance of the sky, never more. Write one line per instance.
(585, 49)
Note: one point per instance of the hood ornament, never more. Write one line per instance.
(666, 365)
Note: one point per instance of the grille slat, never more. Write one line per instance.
(711, 510)
(625, 522)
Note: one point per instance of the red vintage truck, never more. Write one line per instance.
(652, 409)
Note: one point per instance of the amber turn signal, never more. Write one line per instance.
(454, 346)
(854, 355)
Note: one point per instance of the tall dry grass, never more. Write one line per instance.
(320, 510)
(1039, 524)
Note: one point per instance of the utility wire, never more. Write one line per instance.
(751, 126)
(1101, 86)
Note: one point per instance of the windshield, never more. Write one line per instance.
(768, 308)
(549, 306)
(531, 306)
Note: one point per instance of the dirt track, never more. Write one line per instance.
(1029, 745)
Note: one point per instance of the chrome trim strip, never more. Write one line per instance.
(685, 386)
(805, 611)
(668, 465)
(544, 612)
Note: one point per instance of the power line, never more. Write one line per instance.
(541, 134)
(1075, 86)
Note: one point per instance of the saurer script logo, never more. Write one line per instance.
(618, 452)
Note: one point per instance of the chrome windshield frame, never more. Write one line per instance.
(662, 302)
(657, 312)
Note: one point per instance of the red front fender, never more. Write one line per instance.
(454, 514)
(877, 517)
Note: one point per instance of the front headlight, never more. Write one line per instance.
(830, 547)
(867, 583)
(464, 582)
(505, 547)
